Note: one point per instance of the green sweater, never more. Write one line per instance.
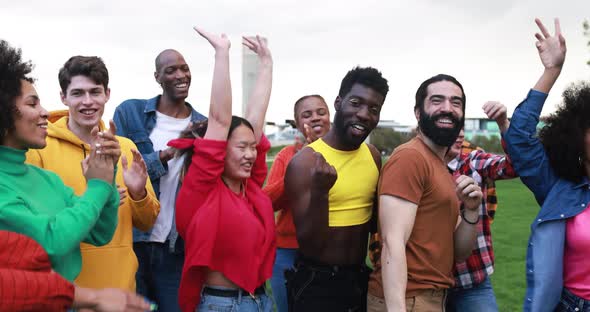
(36, 203)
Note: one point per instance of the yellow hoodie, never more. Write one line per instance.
(115, 264)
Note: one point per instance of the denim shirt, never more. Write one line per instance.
(559, 199)
(135, 119)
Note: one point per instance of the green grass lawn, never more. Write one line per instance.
(510, 231)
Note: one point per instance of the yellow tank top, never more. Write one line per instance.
(351, 197)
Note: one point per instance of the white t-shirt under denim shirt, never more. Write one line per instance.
(167, 128)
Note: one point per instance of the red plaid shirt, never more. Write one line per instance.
(482, 167)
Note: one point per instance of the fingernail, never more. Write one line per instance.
(153, 307)
(98, 152)
(97, 144)
(100, 134)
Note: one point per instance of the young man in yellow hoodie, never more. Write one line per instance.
(84, 90)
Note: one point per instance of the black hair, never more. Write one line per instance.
(13, 70)
(366, 76)
(198, 130)
(564, 134)
(422, 91)
(303, 98)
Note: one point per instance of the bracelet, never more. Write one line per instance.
(465, 219)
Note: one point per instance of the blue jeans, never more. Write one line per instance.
(158, 275)
(572, 303)
(284, 260)
(242, 303)
(480, 298)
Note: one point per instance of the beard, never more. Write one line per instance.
(440, 136)
(342, 133)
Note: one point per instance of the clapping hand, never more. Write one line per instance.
(135, 176)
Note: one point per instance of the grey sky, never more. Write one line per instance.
(487, 45)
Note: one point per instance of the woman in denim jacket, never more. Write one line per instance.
(555, 166)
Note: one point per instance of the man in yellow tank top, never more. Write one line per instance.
(331, 186)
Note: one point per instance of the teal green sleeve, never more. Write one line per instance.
(105, 226)
(62, 232)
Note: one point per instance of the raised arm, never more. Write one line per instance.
(498, 112)
(552, 51)
(260, 96)
(104, 157)
(142, 199)
(469, 193)
(492, 166)
(220, 112)
(307, 184)
(523, 145)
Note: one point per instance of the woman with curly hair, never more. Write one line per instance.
(36, 203)
(555, 166)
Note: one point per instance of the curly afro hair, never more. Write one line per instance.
(12, 70)
(564, 133)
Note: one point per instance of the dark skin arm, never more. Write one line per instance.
(307, 184)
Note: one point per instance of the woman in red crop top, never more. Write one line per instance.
(226, 220)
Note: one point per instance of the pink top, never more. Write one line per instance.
(576, 260)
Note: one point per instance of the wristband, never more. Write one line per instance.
(467, 221)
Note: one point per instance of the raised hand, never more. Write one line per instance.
(98, 164)
(122, 194)
(258, 45)
(135, 176)
(498, 112)
(218, 42)
(468, 192)
(107, 144)
(323, 175)
(551, 49)
(310, 135)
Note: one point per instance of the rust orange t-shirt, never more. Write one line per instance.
(416, 174)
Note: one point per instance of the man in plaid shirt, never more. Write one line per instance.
(473, 290)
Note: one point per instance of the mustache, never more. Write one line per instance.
(447, 115)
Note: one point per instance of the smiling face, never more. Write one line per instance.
(313, 111)
(457, 146)
(173, 74)
(440, 117)
(357, 114)
(85, 100)
(240, 154)
(30, 122)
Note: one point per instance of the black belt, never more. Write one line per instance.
(232, 292)
(302, 262)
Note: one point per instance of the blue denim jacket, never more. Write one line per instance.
(135, 119)
(559, 199)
